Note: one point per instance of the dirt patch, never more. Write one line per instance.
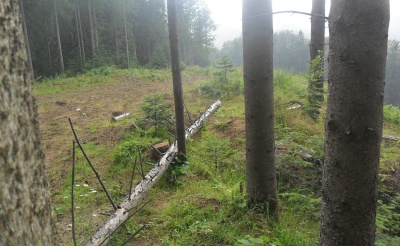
(90, 109)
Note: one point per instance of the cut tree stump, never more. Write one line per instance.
(157, 150)
(139, 193)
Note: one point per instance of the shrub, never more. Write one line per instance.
(391, 114)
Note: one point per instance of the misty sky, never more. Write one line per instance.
(227, 15)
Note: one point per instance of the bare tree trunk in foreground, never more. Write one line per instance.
(25, 203)
(357, 59)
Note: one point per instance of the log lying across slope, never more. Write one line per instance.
(142, 189)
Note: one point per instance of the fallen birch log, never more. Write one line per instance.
(142, 189)
(392, 138)
(119, 117)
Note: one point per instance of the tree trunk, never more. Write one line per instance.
(48, 48)
(59, 39)
(357, 60)
(81, 34)
(96, 36)
(116, 43)
(28, 47)
(78, 33)
(92, 38)
(25, 202)
(177, 78)
(316, 84)
(126, 39)
(115, 36)
(259, 103)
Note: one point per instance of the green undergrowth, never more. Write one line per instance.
(206, 205)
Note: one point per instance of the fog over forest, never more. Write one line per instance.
(69, 36)
(292, 34)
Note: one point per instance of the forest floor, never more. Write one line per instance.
(91, 109)
(207, 205)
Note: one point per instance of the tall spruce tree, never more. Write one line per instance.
(261, 184)
(177, 79)
(358, 32)
(316, 82)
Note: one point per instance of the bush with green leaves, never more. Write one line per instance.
(157, 114)
(218, 150)
(315, 89)
(225, 65)
(388, 216)
(391, 114)
(220, 88)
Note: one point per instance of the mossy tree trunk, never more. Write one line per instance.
(25, 202)
(259, 103)
(357, 59)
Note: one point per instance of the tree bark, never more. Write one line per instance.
(126, 39)
(96, 36)
(259, 103)
(62, 69)
(25, 203)
(357, 60)
(92, 34)
(28, 47)
(78, 33)
(177, 78)
(317, 28)
(48, 48)
(316, 86)
(81, 34)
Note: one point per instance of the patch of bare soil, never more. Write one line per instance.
(90, 109)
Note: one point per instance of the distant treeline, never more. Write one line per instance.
(74, 35)
(291, 52)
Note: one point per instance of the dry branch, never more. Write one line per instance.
(138, 194)
(290, 12)
(73, 194)
(91, 165)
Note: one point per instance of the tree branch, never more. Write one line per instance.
(72, 194)
(290, 12)
(91, 165)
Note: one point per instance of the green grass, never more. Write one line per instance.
(207, 206)
(102, 75)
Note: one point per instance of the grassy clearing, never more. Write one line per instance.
(102, 75)
(207, 205)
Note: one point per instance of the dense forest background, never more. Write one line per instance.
(121, 33)
(70, 36)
